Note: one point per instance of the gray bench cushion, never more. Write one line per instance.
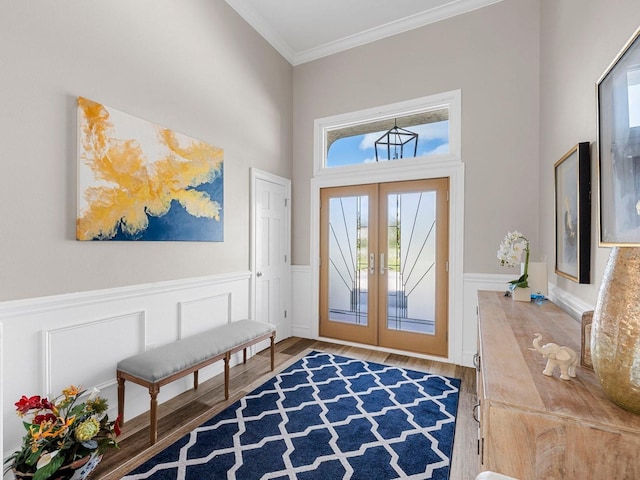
(162, 362)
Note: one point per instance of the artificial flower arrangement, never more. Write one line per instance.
(510, 253)
(62, 432)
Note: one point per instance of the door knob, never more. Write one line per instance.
(259, 274)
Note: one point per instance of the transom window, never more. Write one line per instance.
(416, 135)
(410, 134)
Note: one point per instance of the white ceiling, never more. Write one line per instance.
(304, 30)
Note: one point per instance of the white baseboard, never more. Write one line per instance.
(571, 304)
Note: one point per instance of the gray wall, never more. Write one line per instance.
(579, 40)
(195, 67)
(527, 70)
(492, 55)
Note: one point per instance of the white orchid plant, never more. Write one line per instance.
(510, 253)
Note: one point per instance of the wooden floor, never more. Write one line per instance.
(188, 410)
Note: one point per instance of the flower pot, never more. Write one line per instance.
(521, 294)
(537, 279)
(78, 470)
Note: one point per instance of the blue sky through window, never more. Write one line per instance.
(433, 139)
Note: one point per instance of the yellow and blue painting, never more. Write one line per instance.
(139, 181)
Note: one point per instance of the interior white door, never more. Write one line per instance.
(271, 247)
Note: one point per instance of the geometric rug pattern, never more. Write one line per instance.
(326, 417)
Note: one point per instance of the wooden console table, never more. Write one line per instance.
(535, 427)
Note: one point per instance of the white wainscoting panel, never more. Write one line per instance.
(113, 338)
(48, 343)
(301, 301)
(196, 316)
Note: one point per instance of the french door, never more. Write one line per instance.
(383, 266)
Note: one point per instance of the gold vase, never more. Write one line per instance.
(615, 331)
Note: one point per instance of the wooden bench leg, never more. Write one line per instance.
(121, 399)
(153, 413)
(195, 380)
(227, 357)
(273, 340)
(244, 355)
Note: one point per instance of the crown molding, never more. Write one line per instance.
(436, 14)
(260, 25)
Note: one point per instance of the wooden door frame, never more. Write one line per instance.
(376, 331)
(416, 342)
(455, 172)
(260, 175)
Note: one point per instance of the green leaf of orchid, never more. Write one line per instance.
(520, 282)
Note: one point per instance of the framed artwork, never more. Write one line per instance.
(618, 92)
(573, 214)
(140, 181)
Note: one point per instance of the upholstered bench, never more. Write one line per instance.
(175, 360)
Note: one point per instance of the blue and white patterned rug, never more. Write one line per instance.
(326, 417)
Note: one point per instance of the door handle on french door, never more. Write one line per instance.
(259, 274)
(382, 267)
(372, 263)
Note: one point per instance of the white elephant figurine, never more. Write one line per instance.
(557, 356)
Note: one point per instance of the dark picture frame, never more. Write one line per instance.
(618, 95)
(573, 214)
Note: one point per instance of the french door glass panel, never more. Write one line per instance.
(348, 259)
(411, 258)
(348, 310)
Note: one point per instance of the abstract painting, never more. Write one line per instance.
(140, 181)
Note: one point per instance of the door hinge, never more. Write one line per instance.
(285, 314)
(285, 259)
(447, 195)
(446, 266)
(286, 202)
